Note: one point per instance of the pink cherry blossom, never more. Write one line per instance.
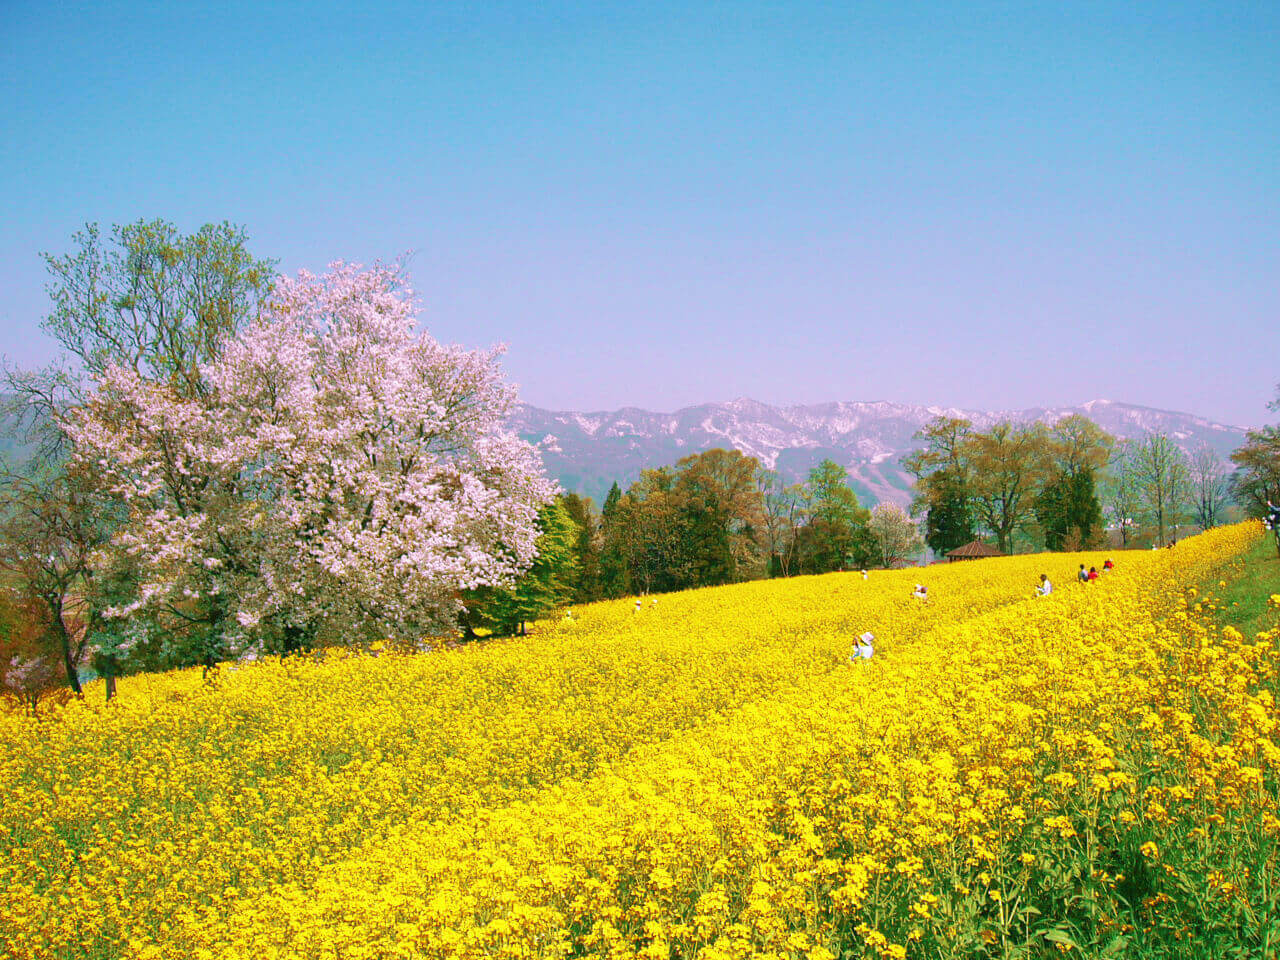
(342, 472)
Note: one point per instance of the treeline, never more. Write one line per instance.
(1071, 485)
(719, 517)
(1060, 487)
(714, 517)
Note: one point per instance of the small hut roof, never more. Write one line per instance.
(975, 548)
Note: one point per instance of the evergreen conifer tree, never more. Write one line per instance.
(546, 585)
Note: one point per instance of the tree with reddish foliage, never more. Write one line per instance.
(52, 519)
(30, 668)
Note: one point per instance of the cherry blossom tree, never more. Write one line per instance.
(343, 476)
(895, 534)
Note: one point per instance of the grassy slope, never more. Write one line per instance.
(1241, 597)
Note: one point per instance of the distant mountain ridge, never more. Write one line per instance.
(586, 452)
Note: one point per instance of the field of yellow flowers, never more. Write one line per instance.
(710, 775)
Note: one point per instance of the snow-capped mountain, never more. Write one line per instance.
(587, 452)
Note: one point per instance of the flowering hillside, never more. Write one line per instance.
(708, 775)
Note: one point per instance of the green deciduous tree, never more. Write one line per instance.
(943, 490)
(1007, 466)
(1068, 507)
(1257, 480)
(695, 524)
(720, 516)
(51, 522)
(949, 515)
(154, 300)
(835, 532)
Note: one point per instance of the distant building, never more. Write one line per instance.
(973, 550)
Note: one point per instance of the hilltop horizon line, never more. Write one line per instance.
(936, 408)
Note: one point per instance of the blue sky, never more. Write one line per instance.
(989, 205)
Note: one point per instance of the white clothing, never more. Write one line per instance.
(1045, 588)
(863, 650)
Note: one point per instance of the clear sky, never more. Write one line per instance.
(985, 205)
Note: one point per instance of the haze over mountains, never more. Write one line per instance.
(586, 452)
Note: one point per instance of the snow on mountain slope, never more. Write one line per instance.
(588, 451)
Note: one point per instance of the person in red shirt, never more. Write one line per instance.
(1093, 573)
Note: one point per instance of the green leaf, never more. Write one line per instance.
(1118, 945)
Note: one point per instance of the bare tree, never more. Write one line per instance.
(1121, 489)
(896, 535)
(1208, 486)
(1163, 481)
(783, 514)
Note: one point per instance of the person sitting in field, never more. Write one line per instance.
(1108, 565)
(862, 647)
(1083, 575)
(1093, 573)
(921, 592)
(1046, 587)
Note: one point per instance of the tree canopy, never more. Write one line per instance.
(342, 476)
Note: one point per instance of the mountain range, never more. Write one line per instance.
(587, 452)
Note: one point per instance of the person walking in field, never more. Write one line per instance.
(1046, 587)
(637, 606)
